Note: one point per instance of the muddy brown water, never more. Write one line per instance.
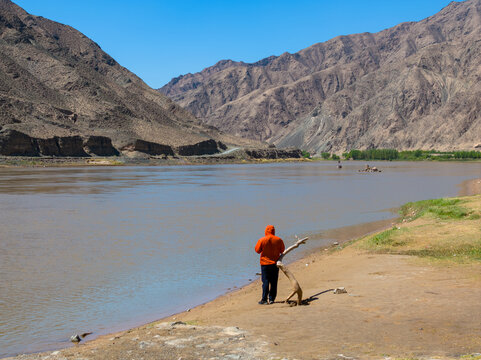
(106, 248)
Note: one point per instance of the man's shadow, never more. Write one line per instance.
(305, 301)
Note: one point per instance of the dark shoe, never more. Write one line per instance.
(263, 302)
(271, 302)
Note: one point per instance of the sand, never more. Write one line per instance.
(470, 187)
(395, 307)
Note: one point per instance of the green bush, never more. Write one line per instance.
(353, 154)
(306, 154)
(325, 155)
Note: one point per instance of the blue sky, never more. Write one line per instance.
(159, 39)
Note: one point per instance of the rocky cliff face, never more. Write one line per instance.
(16, 143)
(57, 84)
(416, 85)
(207, 147)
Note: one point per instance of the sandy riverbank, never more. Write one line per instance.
(396, 306)
(470, 187)
(26, 162)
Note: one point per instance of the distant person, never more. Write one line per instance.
(270, 247)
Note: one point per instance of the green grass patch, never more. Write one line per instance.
(438, 229)
(387, 238)
(471, 357)
(22, 162)
(443, 209)
(192, 322)
(458, 253)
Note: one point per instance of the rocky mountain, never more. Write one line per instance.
(416, 85)
(60, 94)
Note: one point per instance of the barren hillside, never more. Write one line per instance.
(57, 83)
(415, 85)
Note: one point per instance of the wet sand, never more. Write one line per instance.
(470, 187)
(395, 306)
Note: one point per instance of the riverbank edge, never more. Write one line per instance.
(33, 162)
(336, 236)
(466, 188)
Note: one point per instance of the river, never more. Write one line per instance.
(107, 248)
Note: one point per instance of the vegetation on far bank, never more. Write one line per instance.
(441, 229)
(408, 155)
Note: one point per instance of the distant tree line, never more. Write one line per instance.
(327, 156)
(392, 154)
(467, 154)
(372, 154)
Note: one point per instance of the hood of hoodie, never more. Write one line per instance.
(270, 230)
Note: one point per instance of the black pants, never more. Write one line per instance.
(270, 273)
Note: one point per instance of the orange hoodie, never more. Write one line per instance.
(270, 247)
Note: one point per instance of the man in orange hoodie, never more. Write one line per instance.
(270, 247)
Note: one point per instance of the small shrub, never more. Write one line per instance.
(306, 154)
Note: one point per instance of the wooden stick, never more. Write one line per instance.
(296, 288)
(290, 248)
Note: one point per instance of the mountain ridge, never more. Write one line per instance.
(56, 83)
(272, 100)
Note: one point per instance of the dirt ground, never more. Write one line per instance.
(395, 307)
(470, 187)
